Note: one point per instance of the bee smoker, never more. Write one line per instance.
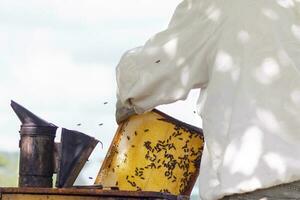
(36, 149)
(41, 157)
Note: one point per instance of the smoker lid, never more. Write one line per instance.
(29, 119)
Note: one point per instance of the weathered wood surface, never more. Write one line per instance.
(81, 194)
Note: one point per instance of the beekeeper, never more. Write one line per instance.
(245, 57)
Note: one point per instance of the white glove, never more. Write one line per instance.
(123, 113)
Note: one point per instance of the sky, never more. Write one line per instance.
(58, 59)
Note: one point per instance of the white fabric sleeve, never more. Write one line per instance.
(170, 64)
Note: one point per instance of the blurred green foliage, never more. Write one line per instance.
(9, 169)
(3, 161)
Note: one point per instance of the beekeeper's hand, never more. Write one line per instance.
(123, 113)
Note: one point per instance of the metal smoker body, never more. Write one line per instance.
(41, 157)
(36, 149)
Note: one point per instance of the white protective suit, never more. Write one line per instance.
(245, 57)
